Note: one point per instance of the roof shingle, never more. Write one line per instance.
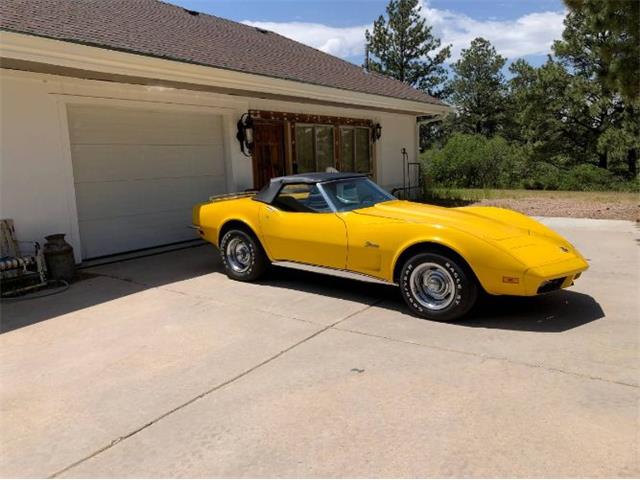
(158, 29)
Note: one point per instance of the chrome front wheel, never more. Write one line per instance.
(437, 286)
(432, 286)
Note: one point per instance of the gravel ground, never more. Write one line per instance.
(554, 207)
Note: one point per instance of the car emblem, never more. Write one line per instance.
(564, 249)
(369, 244)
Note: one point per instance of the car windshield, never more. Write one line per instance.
(355, 193)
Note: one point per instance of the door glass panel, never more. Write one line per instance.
(346, 150)
(301, 198)
(304, 150)
(347, 195)
(363, 157)
(324, 148)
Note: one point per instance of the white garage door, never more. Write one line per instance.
(139, 172)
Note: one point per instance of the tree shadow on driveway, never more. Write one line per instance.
(554, 312)
(111, 281)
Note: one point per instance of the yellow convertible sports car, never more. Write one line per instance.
(345, 223)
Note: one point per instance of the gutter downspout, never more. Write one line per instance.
(426, 120)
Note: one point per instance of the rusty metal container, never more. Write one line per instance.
(58, 255)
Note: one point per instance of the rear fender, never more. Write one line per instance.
(212, 217)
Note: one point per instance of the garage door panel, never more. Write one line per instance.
(105, 163)
(138, 173)
(136, 197)
(104, 237)
(90, 124)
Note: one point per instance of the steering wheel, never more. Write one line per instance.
(346, 201)
(367, 199)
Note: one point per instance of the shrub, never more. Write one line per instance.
(474, 161)
(542, 176)
(629, 186)
(587, 177)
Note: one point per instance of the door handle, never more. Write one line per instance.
(268, 211)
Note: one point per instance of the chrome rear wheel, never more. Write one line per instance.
(238, 254)
(242, 255)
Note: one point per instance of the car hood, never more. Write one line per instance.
(525, 238)
(480, 223)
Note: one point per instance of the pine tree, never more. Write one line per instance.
(404, 47)
(615, 35)
(478, 89)
(547, 106)
(598, 94)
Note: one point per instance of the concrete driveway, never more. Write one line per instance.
(161, 366)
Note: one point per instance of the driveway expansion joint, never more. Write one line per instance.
(484, 358)
(207, 392)
(202, 297)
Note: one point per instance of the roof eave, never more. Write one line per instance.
(99, 62)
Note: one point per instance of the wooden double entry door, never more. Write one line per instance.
(268, 153)
(286, 143)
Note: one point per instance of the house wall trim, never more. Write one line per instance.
(30, 48)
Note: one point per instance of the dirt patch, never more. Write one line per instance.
(555, 207)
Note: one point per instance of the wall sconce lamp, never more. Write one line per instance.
(245, 134)
(376, 132)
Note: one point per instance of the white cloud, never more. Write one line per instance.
(338, 41)
(531, 34)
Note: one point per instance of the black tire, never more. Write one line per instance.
(450, 279)
(242, 256)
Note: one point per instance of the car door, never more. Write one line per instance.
(299, 226)
(372, 238)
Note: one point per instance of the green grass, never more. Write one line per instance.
(452, 195)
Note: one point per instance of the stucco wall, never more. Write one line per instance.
(36, 174)
(34, 181)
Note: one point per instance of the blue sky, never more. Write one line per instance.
(518, 28)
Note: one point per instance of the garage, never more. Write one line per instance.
(138, 172)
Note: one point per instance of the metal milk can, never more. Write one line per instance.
(58, 255)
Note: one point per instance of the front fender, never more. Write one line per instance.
(488, 262)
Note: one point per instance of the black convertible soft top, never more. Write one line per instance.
(269, 192)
